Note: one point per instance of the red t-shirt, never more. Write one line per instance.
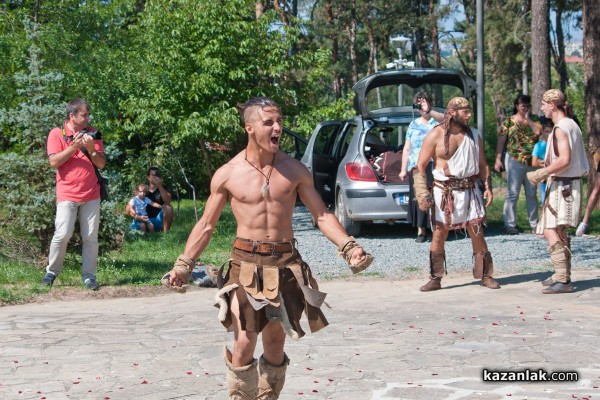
(76, 179)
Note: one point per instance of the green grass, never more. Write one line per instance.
(495, 211)
(140, 262)
(144, 259)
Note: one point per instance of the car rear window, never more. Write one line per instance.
(385, 97)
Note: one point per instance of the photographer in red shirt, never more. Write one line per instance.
(74, 149)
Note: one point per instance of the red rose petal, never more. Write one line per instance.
(189, 372)
(144, 382)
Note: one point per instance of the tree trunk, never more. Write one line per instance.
(283, 16)
(525, 75)
(207, 163)
(559, 59)
(259, 9)
(372, 50)
(336, 85)
(351, 32)
(540, 66)
(591, 62)
(435, 42)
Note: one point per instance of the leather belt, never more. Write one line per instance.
(253, 246)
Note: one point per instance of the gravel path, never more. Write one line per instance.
(397, 255)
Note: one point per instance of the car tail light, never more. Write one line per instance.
(359, 171)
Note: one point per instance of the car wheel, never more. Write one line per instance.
(351, 227)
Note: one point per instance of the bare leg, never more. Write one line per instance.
(273, 339)
(272, 366)
(438, 239)
(167, 218)
(244, 342)
(477, 240)
(242, 371)
(150, 227)
(592, 201)
(552, 236)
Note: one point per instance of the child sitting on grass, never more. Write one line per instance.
(138, 203)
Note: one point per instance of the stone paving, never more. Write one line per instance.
(386, 340)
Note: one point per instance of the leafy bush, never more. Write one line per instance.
(28, 208)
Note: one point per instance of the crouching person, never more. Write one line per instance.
(456, 201)
(267, 286)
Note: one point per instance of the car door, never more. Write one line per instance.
(320, 157)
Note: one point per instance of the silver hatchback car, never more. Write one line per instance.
(356, 162)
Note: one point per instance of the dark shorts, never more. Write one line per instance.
(273, 280)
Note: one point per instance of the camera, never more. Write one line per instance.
(416, 106)
(96, 135)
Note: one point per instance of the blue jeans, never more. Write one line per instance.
(542, 192)
(157, 221)
(515, 177)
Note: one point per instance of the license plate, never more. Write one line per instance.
(401, 198)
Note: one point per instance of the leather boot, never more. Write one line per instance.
(483, 268)
(242, 382)
(437, 265)
(271, 378)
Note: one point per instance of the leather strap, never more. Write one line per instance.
(253, 246)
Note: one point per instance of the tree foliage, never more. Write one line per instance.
(164, 76)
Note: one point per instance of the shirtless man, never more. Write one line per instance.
(565, 163)
(457, 202)
(267, 285)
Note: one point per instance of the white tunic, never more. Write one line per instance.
(467, 207)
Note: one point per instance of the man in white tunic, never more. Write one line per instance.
(457, 201)
(565, 164)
